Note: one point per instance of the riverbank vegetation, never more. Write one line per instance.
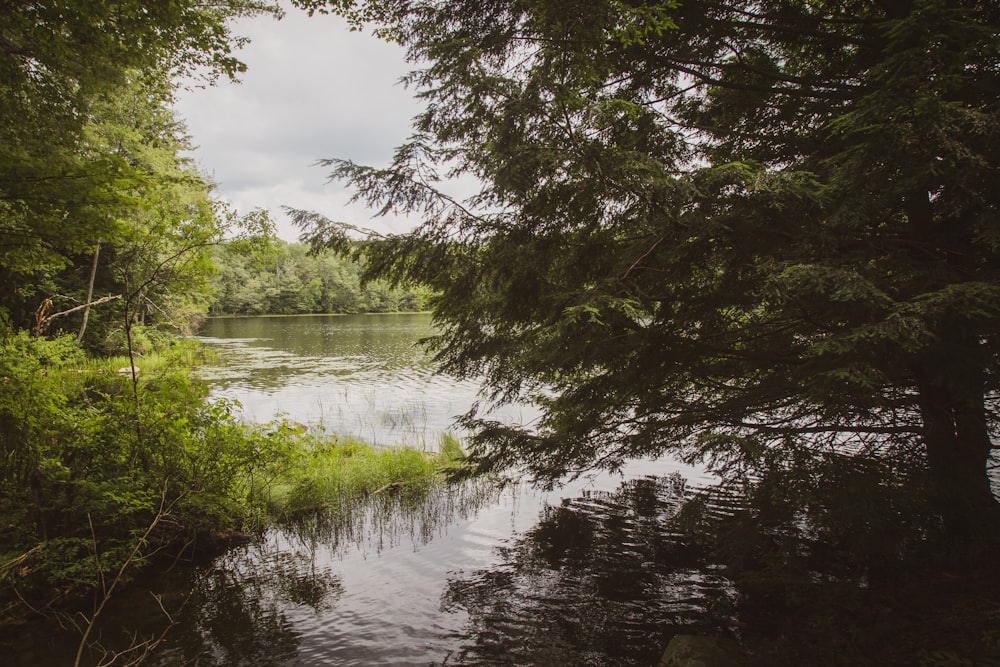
(325, 472)
(104, 231)
(289, 279)
(93, 458)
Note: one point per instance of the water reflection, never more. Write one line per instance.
(597, 579)
(302, 594)
(470, 574)
(237, 613)
(601, 580)
(383, 521)
(387, 341)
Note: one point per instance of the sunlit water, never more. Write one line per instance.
(585, 575)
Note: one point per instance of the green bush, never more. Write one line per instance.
(86, 464)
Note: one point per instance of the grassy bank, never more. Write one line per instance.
(325, 472)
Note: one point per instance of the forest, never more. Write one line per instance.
(290, 279)
(757, 236)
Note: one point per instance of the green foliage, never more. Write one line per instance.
(88, 463)
(712, 229)
(86, 466)
(290, 280)
(450, 450)
(90, 151)
(330, 473)
(30, 403)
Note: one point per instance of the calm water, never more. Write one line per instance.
(586, 575)
(358, 375)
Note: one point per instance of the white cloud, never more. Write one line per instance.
(312, 90)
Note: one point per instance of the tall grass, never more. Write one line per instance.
(330, 472)
(354, 496)
(180, 355)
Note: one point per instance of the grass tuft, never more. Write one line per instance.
(328, 471)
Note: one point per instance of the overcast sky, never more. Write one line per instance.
(312, 90)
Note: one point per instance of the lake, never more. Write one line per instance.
(363, 376)
(584, 575)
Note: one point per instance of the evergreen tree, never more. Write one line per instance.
(757, 232)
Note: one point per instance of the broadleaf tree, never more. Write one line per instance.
(61, 61)
(747, 231)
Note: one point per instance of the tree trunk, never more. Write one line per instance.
(90, 292)
(952, 406)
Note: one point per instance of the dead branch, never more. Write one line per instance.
(42, 317)
(107, 588)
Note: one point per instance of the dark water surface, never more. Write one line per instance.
(589, 574)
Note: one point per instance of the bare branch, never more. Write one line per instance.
(43, 318)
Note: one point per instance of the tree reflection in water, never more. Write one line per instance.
(246, 609)
(236, 614)
(601, 580)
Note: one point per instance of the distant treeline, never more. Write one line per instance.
(290, 281)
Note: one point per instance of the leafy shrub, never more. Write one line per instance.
(86, 464)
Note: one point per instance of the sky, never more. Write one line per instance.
(312, 90)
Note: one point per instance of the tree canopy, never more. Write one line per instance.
(101, 210)
(757, 232)
(89, 149)
(292, 280)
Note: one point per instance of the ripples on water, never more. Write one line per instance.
(361, 376)
(591, 574)
(600, 580)
(586, 575)
(467, 575)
